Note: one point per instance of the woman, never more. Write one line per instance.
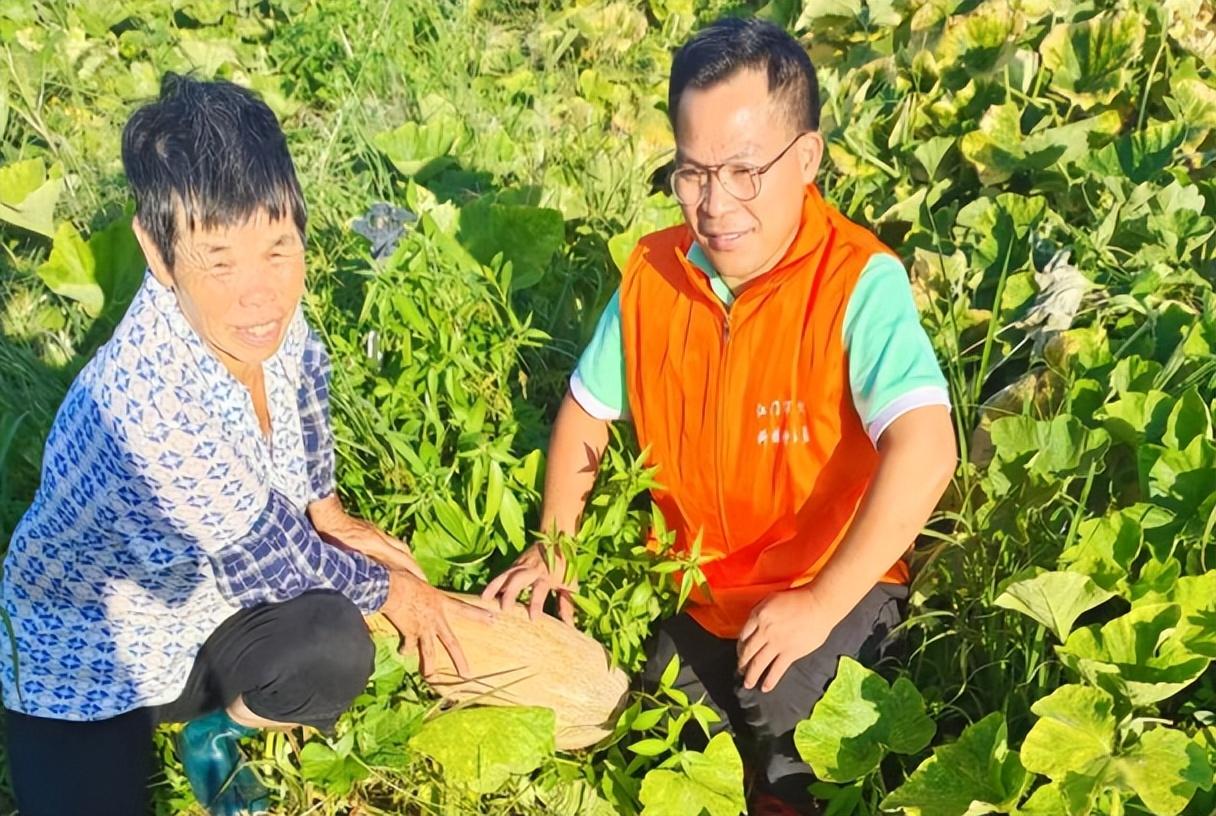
(186, 557)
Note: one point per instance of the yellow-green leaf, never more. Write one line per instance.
(28, 196)
(71, 270)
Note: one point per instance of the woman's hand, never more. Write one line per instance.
(341, 529)
(532, 570)
(421, 613)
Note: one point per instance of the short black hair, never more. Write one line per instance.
(732, 44)
(213, 149)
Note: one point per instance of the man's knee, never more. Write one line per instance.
(772, 714)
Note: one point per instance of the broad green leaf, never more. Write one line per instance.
(1158, 575)
(102, 274)
(813, 10)
(1089, 60)
(421, 150)
(482, 748)
(271, 88)
(663, 9)
(1066, 444)
(205, 53)
(120, 265)
(1105, 548)
(1193, 102)
(1135, 656)
(858, 720)
(1177, 228)
(1134, 373)
(1141, 155)
(979, 41)
(390, 668)
(1188, 420)
(709, 783)
(1180, 480)
(204, 11)
(910, 730)
(977, 774)
(1137, 417)
(836, 740)
(1001, 228)
(98, 18)
(1079, 350)
(1075, 730)
(1054, 599)
(884, 13)
(1165, 768)
(930, 153)
(1076, 795)
(1043, 450)
(527, 237)
(383, 734)
(28, 196)
(71, 270)
(333, 769)
(658, 212)
(614, 26)
(1196, 594)
(998, 149)
(1070, 142)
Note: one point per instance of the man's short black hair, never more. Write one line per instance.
(732, 44)
(213, 151)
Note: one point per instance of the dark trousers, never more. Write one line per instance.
(301, 661)
(763, 723)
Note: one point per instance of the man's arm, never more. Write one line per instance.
(916, 460)
(575, 450)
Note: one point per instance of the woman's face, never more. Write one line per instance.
(237, 286)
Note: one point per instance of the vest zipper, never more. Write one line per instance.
(719, 442)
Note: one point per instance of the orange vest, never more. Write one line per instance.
(748, 413)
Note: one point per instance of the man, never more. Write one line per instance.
(772, 361)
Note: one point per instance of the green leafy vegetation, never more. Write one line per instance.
(1047, 172)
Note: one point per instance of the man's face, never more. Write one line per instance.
(736, 122)
(238, 286)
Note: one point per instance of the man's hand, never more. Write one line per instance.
(916, 459)
(531, 570)
(420, 612)
(782, 628)
(339, 528)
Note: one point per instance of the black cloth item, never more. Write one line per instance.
(302, 661)
(763, 723)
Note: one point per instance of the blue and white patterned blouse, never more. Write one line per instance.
(162, 510)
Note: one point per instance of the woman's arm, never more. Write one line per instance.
(325, 511)
(340, 529)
